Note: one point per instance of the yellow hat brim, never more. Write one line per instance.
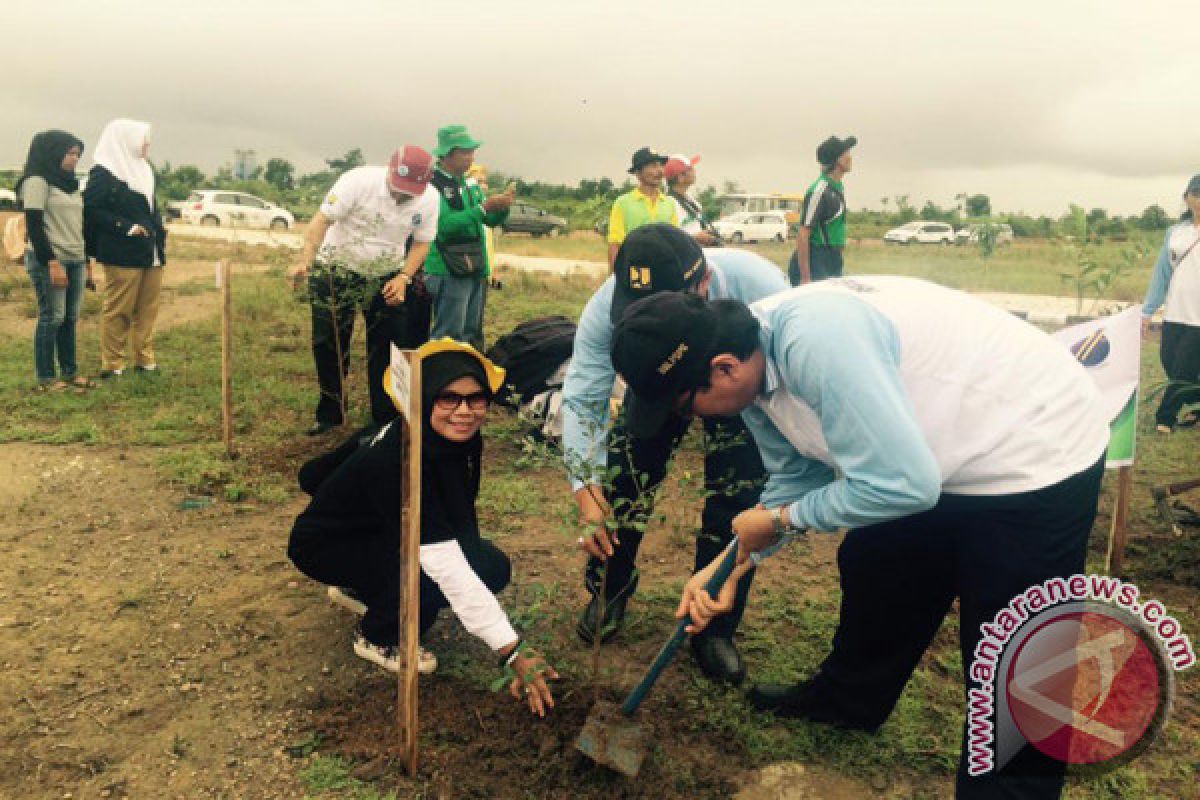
(495, 375)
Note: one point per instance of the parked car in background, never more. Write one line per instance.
(753, 227)
(920, 232)
(234, 209)
(524, 218)
(8, 199)
(970, 233)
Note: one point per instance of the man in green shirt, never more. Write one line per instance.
(458, 265)
(643, 204)
(822, 234)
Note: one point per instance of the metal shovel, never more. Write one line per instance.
(610, 736)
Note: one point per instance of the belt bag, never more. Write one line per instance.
(464, 260)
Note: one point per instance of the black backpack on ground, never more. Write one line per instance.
(531, 353)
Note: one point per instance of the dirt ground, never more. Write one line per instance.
(155, 650)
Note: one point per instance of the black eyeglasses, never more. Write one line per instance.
(450, 401)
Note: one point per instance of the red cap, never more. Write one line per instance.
(410, 170)
(678, 164)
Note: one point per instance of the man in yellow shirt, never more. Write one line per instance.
(642, 205)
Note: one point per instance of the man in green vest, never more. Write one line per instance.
(643, 204)
(459, 264)
(822, 234)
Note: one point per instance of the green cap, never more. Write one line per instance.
(452, 136)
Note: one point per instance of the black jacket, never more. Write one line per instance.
(110, 208)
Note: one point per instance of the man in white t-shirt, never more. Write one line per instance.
(363, 251)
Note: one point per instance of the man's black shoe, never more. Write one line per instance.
(801, 701)
(719, 659)
(321, 427)
(614, 618)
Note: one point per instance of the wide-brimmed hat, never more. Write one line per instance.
(645, 156)
(454, 136)
(830, 150)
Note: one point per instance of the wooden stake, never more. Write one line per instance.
(225, 273)
(1114, 561)
(410, 567)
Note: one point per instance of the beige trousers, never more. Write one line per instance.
(130, 304)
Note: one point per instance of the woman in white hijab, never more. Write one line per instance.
(125, 234)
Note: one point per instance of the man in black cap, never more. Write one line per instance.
(642, 205)
(654, 258)
(962, 450)
(822, 234)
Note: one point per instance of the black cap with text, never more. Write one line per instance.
(662, 347)
(655, 258)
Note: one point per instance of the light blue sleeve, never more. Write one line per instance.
(586, 392)
(749, 276)
(1160, 281)
(789, 474)
(842, 357)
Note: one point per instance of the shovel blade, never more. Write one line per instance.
(613, 740)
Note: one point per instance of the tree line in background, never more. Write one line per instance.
(586, 204)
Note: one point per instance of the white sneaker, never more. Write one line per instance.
(388, 656)
(347, 599)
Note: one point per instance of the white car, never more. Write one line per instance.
(970, 234)
(8, 198)
(234, 210)
(748, 226)
(919, 232)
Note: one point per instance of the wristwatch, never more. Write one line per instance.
(783, 522)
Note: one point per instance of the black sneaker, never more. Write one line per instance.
(109, 374)
(719, 659)
(803, 701)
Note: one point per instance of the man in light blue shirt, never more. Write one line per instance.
(962, 447)
(619, 471)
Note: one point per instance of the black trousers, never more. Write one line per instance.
(337, 294)
(733, 478)
(369, 563)
(1180, 354)
(823, 262)
(899, 579)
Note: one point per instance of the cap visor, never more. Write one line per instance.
(407, 185)
(643, 418)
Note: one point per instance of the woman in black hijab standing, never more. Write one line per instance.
(55, 256)
(349, 535)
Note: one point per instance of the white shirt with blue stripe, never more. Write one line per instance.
(883, 392)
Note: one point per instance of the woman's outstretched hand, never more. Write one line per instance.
(530, 683)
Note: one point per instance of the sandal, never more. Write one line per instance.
(83, 382)
(51, 387)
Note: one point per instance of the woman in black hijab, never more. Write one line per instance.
(55, 257)
(348, 536)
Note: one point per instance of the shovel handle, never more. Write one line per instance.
(713, 587)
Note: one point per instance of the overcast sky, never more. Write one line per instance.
(1037, 103)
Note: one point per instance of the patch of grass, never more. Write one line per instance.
(325, 774)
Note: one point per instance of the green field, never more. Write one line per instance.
(1029, 266)
(790, 621)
